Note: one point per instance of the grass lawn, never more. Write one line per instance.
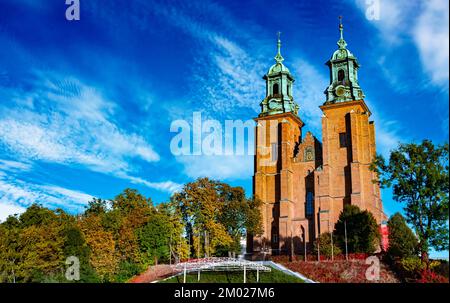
(275, 276)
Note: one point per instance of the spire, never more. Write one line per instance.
(279, 58)
(341, 42)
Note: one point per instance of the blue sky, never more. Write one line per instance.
(86, 106)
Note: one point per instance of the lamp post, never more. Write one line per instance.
(345, 234)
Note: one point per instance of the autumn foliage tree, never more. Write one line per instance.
(116, 239)
(216, 215)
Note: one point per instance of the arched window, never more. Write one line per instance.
(275, 89)
(341, 75)
(274, 235)
(309, 204)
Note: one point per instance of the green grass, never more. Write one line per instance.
(275, 276)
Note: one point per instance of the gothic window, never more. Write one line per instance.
(274, 235)
(275, 89)
(343, 140)
(274, 152)
(274, 238)
(341, 75)
(309, 204)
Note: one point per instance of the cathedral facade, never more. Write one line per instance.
(302, 182)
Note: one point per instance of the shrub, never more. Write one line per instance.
(127, 270)
(440, 267)
(323, 244)
(428, 276)
(402, 241)
(411, 268)
(363, 235)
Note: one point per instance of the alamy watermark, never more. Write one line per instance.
(373, 272)
(73, 269)
(373, 9)
(73, 10)
(231, 138)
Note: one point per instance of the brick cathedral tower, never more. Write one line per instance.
(303, 184)
(348, 139)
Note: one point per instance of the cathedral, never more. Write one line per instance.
(302, 182)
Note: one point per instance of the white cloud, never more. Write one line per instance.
(14, 166)
(22, 194)
(431, 34)
(167, 186)
(218, 167)
(7, 209)
(67, 122)
(70, 123)
(426, 23)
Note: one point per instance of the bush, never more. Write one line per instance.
(440, 267)
(324, 245)
(127, 270)
(402, 241)
(429, 276)
(363, 235)
(410, 268)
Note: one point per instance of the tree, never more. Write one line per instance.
(9, 250)
(402, 241)
(96, 206)
(75, 245)
(101, 243)
(419, 176)
(41, 250)
(153, 238)
(201, 204)
(363, 235)
(37, 215)
(323, 245)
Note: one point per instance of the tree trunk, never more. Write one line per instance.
(425, 259)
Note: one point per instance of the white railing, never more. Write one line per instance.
(220, 264)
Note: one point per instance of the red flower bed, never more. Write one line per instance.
(339, 271)
(153, 273)
(429, 276)
(285, 258)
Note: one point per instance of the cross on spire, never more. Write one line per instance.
(278, 57)
(341, 42)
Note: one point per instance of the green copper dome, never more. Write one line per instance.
(279, 84)
(277, 68)
(344, 67)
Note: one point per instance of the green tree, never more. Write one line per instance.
(10, 255)
(402, 241)
(75, 245)
(153, 238)
(323, 245)
(37, 215)
(363, 235)
(96, 206)
(419, 176)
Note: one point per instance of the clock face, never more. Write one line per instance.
(340, 91)
(273, 104)
(309, 156)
